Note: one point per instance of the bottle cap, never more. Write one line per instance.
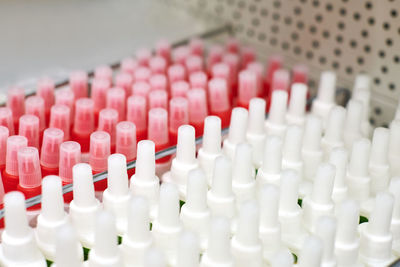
(334, 128)
(176, 73)
(256, 116)
(258, 69)
(380, 147)
(222, 177)
(348, 220)
(104, 72)
(323, 184)
(274, 63)
(272, 155)
(52, 139)
(29, 127)
(67, 247)
(291, 150)
(34, 105)
(163, 49)
(188, 250)
(6, 119)
(247, 56)
(247, 87)
(141, 89)
(381, 215)
(108, 119)
(99, 150)
(154, 258)
(238, 125)
(248, 225)
(297, 104)
(145, 162)
(194, 63)
(214, 56)
(83, 185)
(289, 191)
(311, 253)
(157, 130)
(158, 99)
(198, 79)
(4, 134)
(84, 116)
(138, 221)
(280, 80)
(124, 81)
(179, 89)
(219, 243)
(197, 105)
(117, 179)
(196, 196)
(70, 154)
(218, 95)
(142, 74)
(52, 199)
(362, 82)
(15, 102)
(242, 169)
(158, 65)
(359, 157)
(137, 112)
(60, 117)
(116, 100)
(143, 56)
(99, 93)
(277, 111)
(312, 133)
(300, 74)
(126, 139)
(158, 82)
(168, 208)
(180, 54)
(78, 82)
(66, 97)
(45, 90)
(222, 71)
(30, 175)
(327, 87)
(283, 258)
(212, 135)
(269, 206)
(325, 230)
(129, 65)
(196, 46)
(14, 143)
(186, 146)
(16, 221)
(178, 113)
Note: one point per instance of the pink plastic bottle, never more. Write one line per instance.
(258, 69)
(50, 152)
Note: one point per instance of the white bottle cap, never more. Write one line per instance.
(243, 174)
(291, 152)
(276, 122)
(362, 82)
(105, 251)
(333, 136)
(167, 226)
(347, 243)
(18, 247)
(211, 147)
(145, 182)
(325, 230)
(325, 100)
(246, 245)
(116, 196)
(69, 251)
(237, 131)
(185, 160)
(188, 250)
(376, 238)
(154, 258)
(338, 157)
(311, 253)
(138, 237)
(289, 192)
(282, 259)
(255, 129)
(320, 202)
(297, 104)
(52, 216)
(270, 171)
(378, 162)
(394, 148)
(394, 188)
(352, 125)
(195, 215)
(218, 251)
(220, 198)
(364, 97)
(84, 206)
(311, 150)
(358, 180)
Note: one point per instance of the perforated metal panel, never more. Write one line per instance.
(346, 36)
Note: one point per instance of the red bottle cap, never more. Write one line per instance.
(218, 95)
(108, 119)
(6, 119)
(15, 102)
(232, 45)
(214, 56)
(247, 87)
(233, 61)
(158, 99)
(124, 81)
(176, 73)
(300, 74)
(158, 65)
(70, 154)
(52, 139)
(180, 54)
(178, 113)
(158, 82)
(45, 89)
(4, 134)
(158, 127)
(99, 93)
(141, 89)
(14, 143)
(280, 80)
(104, 72)
(60, 117)
(247, 55)
(84, 116)
(99, 150)
(66, 97)
(197, 106)
(163, 49)
(274, 63)
(142, 74)
(126, 140)
(29, 172)
(179, 89)
(194, 63)
(196, 47)
(78, 82)
(198, 79)
(34, 105)
(137, 112)
(258, 69)
(116, 99)
(2, 192)
(29, 127)
(143, 56)
(129, 65)
(222, 71)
